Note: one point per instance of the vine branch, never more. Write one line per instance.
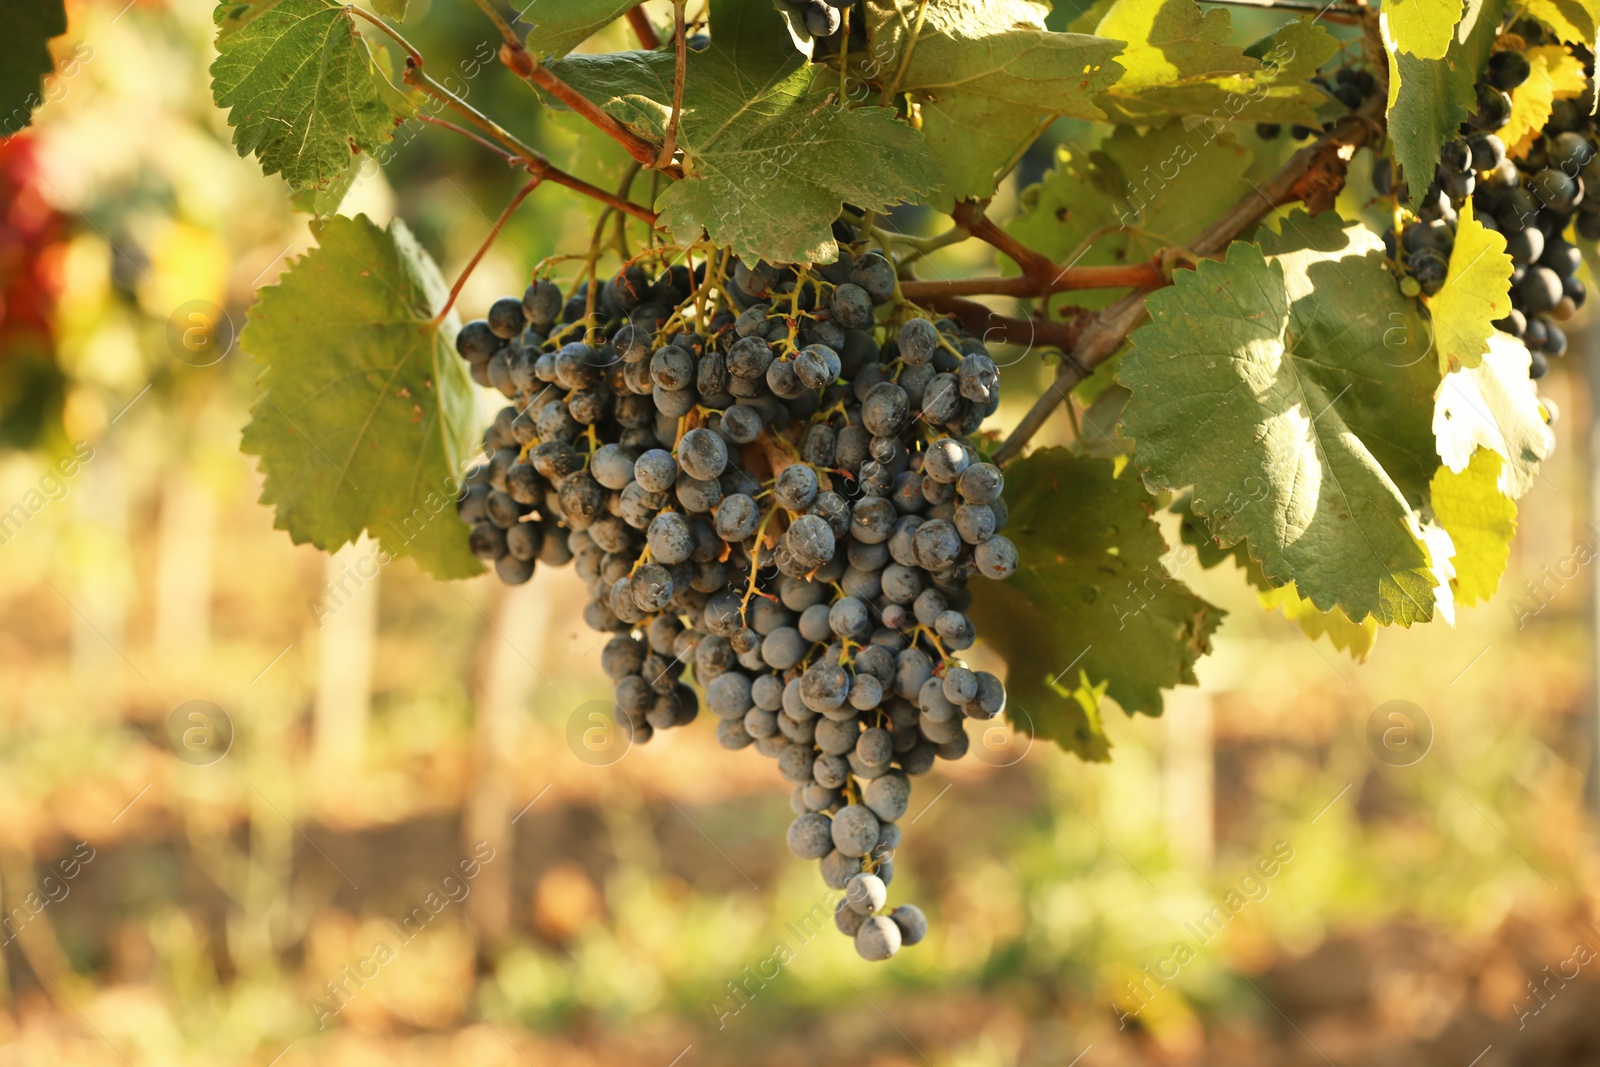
(1040, 276)
(644, 29)
(1064, 279)
(1313, 175)
(669, 144)
(523, 64)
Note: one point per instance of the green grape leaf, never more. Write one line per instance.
(1336, 277)
(770, 157)
(25, 57)
(1267, 386)
(1480, 519)
(1355, 638)
(365, 415)
(1494, 405)
(1430, 98)
(1089, 594)
(1476, 292)
(394, 9)
(1151, 190)
(559, 26)
(303, 90)
(986, 77)
(1423, 28)
(323, 202)
(1178, 62)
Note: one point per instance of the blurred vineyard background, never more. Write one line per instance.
(385, 728)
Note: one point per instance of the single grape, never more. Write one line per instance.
(811, 539)
(855, 830)
(846, 918)
(873, 273)
(541, 303)
(506, 319)
(996, 558)
(918, 340)
(737, 517)
(822, 20)
(851, 307)
(1540, 289)
(888, 796)
(912, 923)
(877, 939)
(866, 893)
(783, 648)
(796, 487)
(981, 483)
(1507, 69)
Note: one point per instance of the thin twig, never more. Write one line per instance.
(535, 161)
(649, 39)
(905, 60)
(500, 24)
(416, 76)
(1313, 172)
(509, 157)
(610, 199)
(386, 28)
(669, 144)
(455, 290)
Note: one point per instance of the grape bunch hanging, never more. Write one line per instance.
(1549, 189)
(766, 475)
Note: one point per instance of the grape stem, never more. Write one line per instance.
(669, 144)
(509, 157)
(1313, 175)
(500, 23)
(455, 290)
(980, 321)
(644, 29)
(1040, 275)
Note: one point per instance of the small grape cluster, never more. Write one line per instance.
(1531, 200)
(1350, 86)
(767, 475)
(823, 17)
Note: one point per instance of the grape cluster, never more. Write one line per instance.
(1350, 86)
(1531, 200)
(768, 477)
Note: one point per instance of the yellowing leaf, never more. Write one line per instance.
(1430, 98)
(1571, 20)
(1554, 73)
(1494, 405)
(1423, 28)
(1355, 638)
(1480, 519)
(1530, 110)
(1566, 70)
(1476, 292)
